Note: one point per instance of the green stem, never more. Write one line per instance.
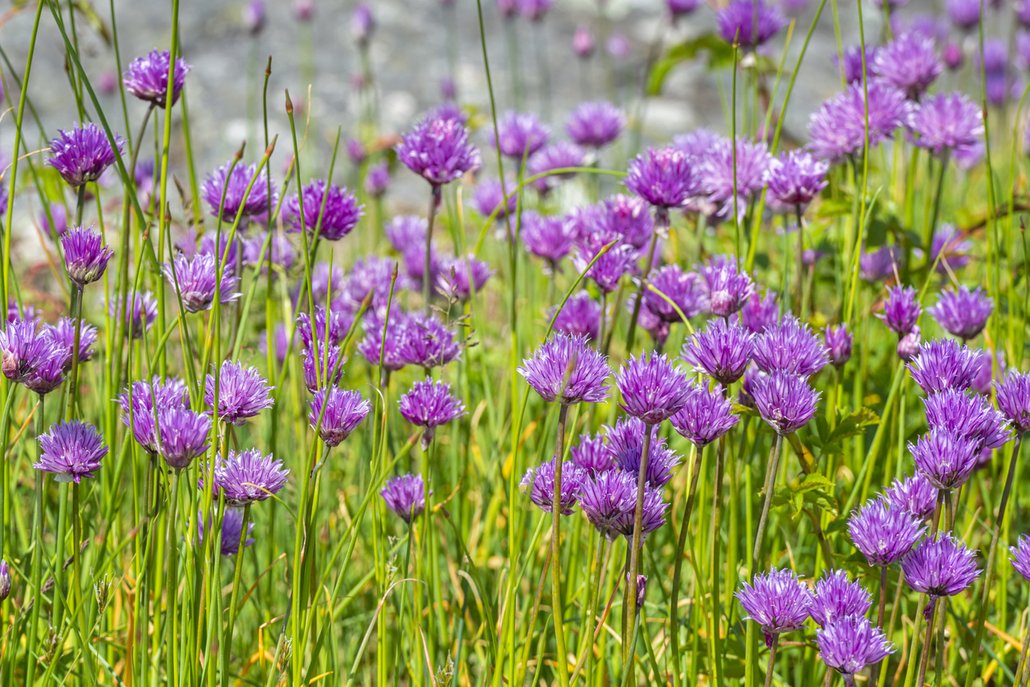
(37, 554)
(772, 660)
(678, 566)
(770, 483)
(629, 602)
(427, 276)
(661, 226)
(924, 659)
(556, 513)
(237, 582)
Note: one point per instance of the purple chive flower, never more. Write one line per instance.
(427, 342)
(330, 327)
(790, 346)
(836, 597)
(559, 155)
(901, 309)
(1014, 400)
(949, 249)
(944, 364)
(194, 280)
(567, 369)
(254, 16)
(679, 8)
(777, 600)
(883, 534)
(909, 63)
(910, 344)
(682, 288)
(879, 264)
(335, 413)
(405, 230)
(705, 417)
(963, 313)
(534, 10)
(741, 168)
(838, 128)
(948, 122)
(609, 268)
(489, 198)
(652, 324)
(85, 255)
(138, 404)
(838, 343)
(914, 495)
(626, 447)
(852, 64)
(607, 499)
(405, 496)
(242, 392)
(760, 312)
(430, 404)
(63, 334)
(82, 154)
(654, 507)
(182, 435)
(438, 150)
(539, 482)
(945, 459)
(147, 77)
(373, 346)
(232, 527)
(721, 350)
(547, 236)
(595, 124)
(246, 477)
(784, 400)
(964, 14)
(71, 451)
(377, 179)
(31, 356)
(851, 643)
(583, 42)
(341, 214)
(5, 573)
(749, 23)
(520, 134)
(971, 417)
(664, 177)
(592, 455)
(460, 276)
(628, 217)
(322, 366)
(728, 286)
(1021, 557)
(362, 23)
(940, 567)
(581, 316)
(225, 191)
(652, 389)
(796, 177)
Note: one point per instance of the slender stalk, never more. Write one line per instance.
(80, 611)
(661, 227)
(770, 483)
(73, 381)
(237, 582)
(883, 596)
(681, 544)
(173, 580)
(1021, 666)
(800, 287)
(772, 660)
(435, 195)
(556, 508)
(924, 659)
(629, 602)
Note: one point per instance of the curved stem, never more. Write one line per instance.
(559, 624)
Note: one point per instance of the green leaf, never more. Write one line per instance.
(853, 424)
(719, 53)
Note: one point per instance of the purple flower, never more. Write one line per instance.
(362, 23)
(964, 14)
(335, 413)
(147, 77)
(85, 255)
(789, 346)
(404, 231)
(971, 417)
(944, 364)
(784, 400)
(427, 342)
(852, 64)
(945, 459)
(71, 451)
(909, 63)
(626, 448)
(539, 482)
(628, 217)
(729, 169)
(242, 393)
(339, 217)
(31, 356)
(5, 573)
(679, 8)
(706, 416)
(880, 264)
(490, 200)
(609, 268)
(1014, 400)
(721, 350)
(948, 122)
(225, 191)
(322, 366)
(749, 23)
(838, 343)
(778, 601)
(373, 346)
(836, 597)
(940, 567)
(1021, 556)
(796, 177)
(559, 155)
(607, 499)
(438, 150)
(580, 316)
(592, 455)
(914, 495)
(583, 42)
(138, 404)
(194, 280)
(377, 179)
(534, 10)
(63, 334)
(883, 534)
(520, 134)
(963, 313)
(682, 288)
(949, 250)
(460, 276)
(851, 643)
(652, 389)
(910, 344)
(547, 236)
(728, 286)
(901, 309)
(232, 528)
(405, 496)
(276, 248)
(182, 435)
(82, 154)
(254, 16)
(430, 404)
(664, 177)
(595, 124)
(246, 477)
(760, 312)
(567, 369)
(838, 128)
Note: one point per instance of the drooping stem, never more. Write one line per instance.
(629, 603)
(435, 195)
(678, 566)
(772, 660)
(770, 482)
(559, 625)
